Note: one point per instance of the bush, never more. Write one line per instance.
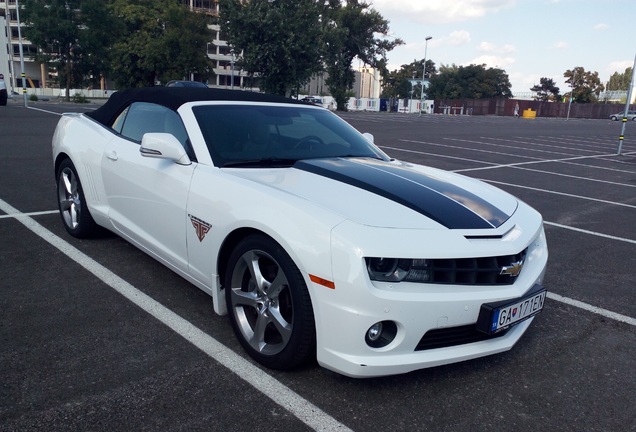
(79, 98)
(33, 98)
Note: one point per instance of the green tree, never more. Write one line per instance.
(72, 36)
(158, 40)
(585, 86)
(620, 81)
(280, 41)
(469, 82)
(350, 31)
(397, 84)
(546, 90)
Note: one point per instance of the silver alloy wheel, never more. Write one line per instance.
(261, 302)
(69, 198)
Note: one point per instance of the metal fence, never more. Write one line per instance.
(506, 107)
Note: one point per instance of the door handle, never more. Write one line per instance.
(112, 155)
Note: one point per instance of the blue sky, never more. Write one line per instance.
(529, 39)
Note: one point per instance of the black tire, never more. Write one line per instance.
(614, 118)
(71, 203)
(269, 305)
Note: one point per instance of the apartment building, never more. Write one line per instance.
(10, 65)
(226, 74)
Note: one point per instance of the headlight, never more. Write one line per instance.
(398, 269)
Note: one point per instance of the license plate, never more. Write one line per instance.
(499, 316)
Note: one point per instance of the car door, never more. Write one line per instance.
(147, 196)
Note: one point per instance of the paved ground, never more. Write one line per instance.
(83, 348)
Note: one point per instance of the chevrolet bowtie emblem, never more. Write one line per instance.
(512, 270)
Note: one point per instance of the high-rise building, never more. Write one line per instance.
(226, 74)
(10, 50)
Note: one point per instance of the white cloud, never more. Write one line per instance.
(459, 37)
(619, 66)
(601, 26)
(491, 47)
(492, 61)
(439, 11)
(561, 45)
(486, 47)
(524, 81)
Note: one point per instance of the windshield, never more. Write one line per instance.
(266, 135)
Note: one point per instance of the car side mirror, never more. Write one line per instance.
(369, 137)
(163, 146)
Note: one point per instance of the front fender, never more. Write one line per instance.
(225, 203)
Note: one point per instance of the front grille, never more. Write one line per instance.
(452, 336)
(473, 271)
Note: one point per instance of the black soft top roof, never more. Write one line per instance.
(173, 98)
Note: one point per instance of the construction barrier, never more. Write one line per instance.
(529, 113)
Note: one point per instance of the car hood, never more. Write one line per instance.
(390, 194)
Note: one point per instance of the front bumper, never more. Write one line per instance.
(344, 315)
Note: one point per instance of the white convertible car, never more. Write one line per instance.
(313, 241)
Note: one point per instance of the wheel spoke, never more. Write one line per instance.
(244, 298)
(66, 204)
(67, 182)
(70, 183)
(257, 341)
(284, 328)
(73, 213)
(251, 259)
(277, 285)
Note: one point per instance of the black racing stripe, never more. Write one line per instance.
(445, 203)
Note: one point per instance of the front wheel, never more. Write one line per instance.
(268, 304)
(71, 202)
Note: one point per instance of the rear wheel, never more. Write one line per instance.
(268, 304)
(71, 202)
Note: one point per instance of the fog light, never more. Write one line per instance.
(375, 331)
(381, 334)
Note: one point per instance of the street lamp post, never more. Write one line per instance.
(629, 99)
(232, 67)
(24, 90)
(571, 93)
(428, 38)
(412, 88)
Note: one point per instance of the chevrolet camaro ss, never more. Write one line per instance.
(311, 239)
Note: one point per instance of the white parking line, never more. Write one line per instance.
(558, 193)
(30, 214)
(498, 153)
(576, 177)
(43, 110)
(599, 311)
(492, 165)
(304, 410)
(507, 147)
(594, 233)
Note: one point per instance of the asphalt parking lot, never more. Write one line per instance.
(95, 335)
